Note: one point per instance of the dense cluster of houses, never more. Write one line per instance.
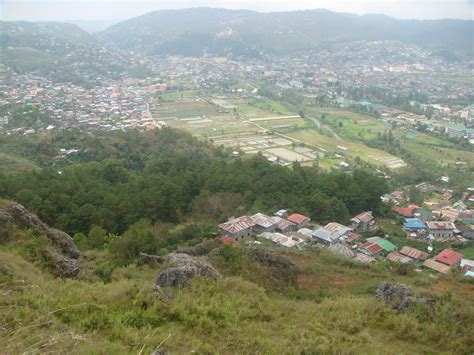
(439, 220)
(296, 231)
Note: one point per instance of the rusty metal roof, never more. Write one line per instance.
(414, 253)
(434, 265)
(238, 224)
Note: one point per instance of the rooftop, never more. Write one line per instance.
(449, 257)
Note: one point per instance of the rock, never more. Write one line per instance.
(399, 296)
(5, 269)
(147, 259)
(20, 216)
(272, 259)
(183, 267)
(64, 258)
(280, 272)
(66, 267)
(159, 351)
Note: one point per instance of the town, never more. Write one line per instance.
(432, 228)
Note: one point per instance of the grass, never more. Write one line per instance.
(332, 311)
(467, 252)
(354, 126)
(275, 107)
(314, 138)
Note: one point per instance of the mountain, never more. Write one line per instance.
(200, 31)
(60, 51)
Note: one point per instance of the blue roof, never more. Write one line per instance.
(414, 223)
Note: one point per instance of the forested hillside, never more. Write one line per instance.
(136, 202)
(169, 177)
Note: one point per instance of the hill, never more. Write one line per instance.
(62, 52)
(199, 31)
(332, 309)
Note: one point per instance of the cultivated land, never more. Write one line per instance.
(274, 129)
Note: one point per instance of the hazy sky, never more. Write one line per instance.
(57, 10)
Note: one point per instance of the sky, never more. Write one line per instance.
(92, 10)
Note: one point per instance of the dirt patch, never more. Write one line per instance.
(459, 290)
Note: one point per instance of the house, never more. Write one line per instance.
(363, 222)
(414, 225)
(467, 231)
(403, 211)
(281, 239)
(363, 258)
(449, 257)
(414, 253)
(386, 245)
(352, 237)
(282, 214)
(323, 236)
(263, 223)
(396, 257)
(342, 249)
(370, 249)
(441, 229)
(434, 265)
(283, 225)
(237, 228)
(424, 214)
(466, 264)
(337, 229)
(299, 219)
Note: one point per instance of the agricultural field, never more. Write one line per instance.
(438, 150)
(348, 124)
(271, 128)
(346, 148)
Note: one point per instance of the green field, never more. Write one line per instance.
(314, 138)
(350, 125)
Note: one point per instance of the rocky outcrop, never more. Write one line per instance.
(147, 259)
(279, 271)
(272, 259)
(399, 296)
(65, 261)
(183, 267)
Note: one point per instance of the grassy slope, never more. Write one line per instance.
(334, 310)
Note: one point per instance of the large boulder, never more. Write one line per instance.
(399, 296)
(183, 267)
(66, 255)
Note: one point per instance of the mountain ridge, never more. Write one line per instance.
(168, 32)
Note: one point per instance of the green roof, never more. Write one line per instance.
(386, 245)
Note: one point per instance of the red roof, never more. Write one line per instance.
(364, 217)
(228, 240)
(297, 218)
(449, 257)
(372, 248)
(404, 211)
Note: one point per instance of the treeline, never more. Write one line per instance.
(188, 186)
